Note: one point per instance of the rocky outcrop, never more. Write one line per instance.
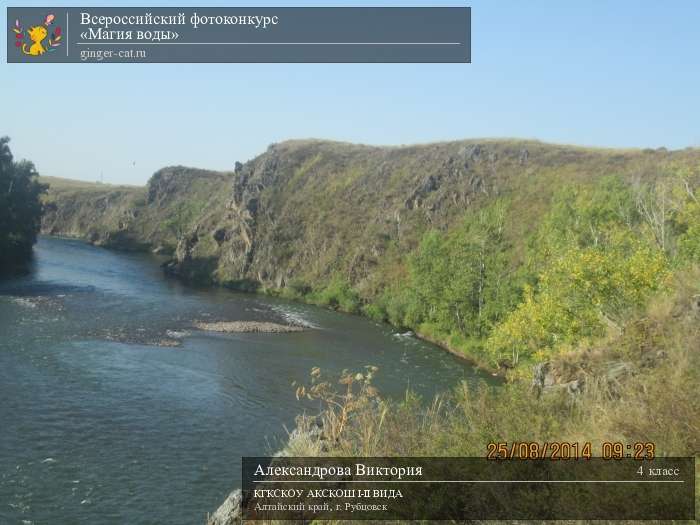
(229, 512)
(305, 440)
(544, 381)
(102, 215)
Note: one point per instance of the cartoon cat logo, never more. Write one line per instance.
(37, 35)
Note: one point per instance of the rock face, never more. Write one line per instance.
(229, 513)
(546, 380)
(305, 211)
(695, 304)
(127, 217)
(100, 215)
(305, 440)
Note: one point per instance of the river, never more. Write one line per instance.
(101, 425)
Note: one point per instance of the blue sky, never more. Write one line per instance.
(599, 73)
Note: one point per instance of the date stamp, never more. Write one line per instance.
(564, 450)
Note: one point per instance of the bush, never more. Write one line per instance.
(579, 295)
(689, 240)
(374, 312)
(339, 295)
(296, 289)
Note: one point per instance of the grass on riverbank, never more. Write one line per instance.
(655, 400)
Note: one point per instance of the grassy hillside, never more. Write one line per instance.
(505, 251)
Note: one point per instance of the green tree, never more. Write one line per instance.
(579, 295)
(584, 216)
(20, 208)
(462, 280)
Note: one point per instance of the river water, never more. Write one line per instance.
(101, 425)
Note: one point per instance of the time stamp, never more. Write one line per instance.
(562, 450)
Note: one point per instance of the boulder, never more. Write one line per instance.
(229, 512)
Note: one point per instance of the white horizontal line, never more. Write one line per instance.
(473, 481)
(269, 43)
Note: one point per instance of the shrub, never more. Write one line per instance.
(374, 312)
(339, 295)
(579, 295)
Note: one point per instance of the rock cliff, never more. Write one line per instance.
(305, 211)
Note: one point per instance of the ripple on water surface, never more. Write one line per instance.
(101, 424)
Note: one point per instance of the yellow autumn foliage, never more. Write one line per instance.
(580, 293)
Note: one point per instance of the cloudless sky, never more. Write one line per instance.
(599, 73)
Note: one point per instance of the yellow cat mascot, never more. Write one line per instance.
(37, 35)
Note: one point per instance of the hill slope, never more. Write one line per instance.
(309, 209)
(342, 224)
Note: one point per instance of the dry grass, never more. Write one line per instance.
(61, 184)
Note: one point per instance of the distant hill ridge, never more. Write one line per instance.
(309, 209)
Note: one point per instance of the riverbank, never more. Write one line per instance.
(601, 393)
